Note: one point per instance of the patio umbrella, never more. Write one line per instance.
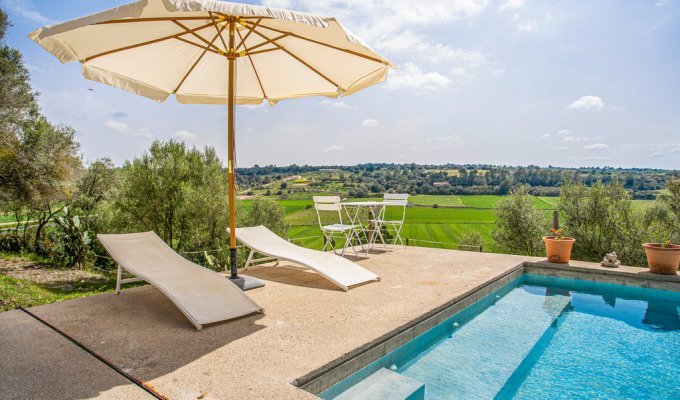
(212, 52)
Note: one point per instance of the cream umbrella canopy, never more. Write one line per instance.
(213, 52)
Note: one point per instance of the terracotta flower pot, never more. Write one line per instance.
(558, 251)
(662, 260)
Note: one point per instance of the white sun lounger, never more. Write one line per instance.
(341, 271)
(202, 295)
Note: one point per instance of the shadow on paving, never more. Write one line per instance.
(288, 274)
(141, 331)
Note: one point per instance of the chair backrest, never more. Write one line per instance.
(327, 203)
(397, 200)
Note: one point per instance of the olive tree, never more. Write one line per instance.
(662, 218)
(268, 213)
(178, 192)
(38, 160)
(519, 225)
(602, 219)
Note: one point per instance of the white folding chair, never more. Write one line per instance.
(393, 200)
(348, 232)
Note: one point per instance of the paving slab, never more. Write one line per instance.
(307, 324)
(38, 363)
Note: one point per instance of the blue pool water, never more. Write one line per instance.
(548, 338)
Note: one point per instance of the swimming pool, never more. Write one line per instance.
(544, 337)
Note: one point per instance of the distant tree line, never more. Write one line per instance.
(363, 179)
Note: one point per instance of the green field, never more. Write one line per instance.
(423, 224)
(428, 200)
(543, 203)
(454, 216)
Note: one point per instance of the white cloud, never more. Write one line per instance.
(143, 132)
(336, 104)
(435, 52)
(411, 76)
(186, 135)
(562, 148)
(373, 19)
(561, 132)
(512, 5)
(122, 127)
(596, 146)
(592, 103)
(25, 9)
(370, 123)
(574, 139)
(528, 25)
(450, 139)
(118, 126)
(332, 149)
(462, 62)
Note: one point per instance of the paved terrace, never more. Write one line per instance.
(308, 324)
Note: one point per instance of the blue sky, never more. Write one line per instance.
(515, 82)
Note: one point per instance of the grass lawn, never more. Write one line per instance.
(4, 218)
(19, 292)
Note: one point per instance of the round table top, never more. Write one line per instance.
(363, 203)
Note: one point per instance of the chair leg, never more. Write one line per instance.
(398, 235)
(249, 261)
(380, 235)
(118, 277)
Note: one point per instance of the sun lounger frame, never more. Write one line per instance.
(138, 277)
(269, 257)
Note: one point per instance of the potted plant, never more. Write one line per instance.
(663, 258)
(558, 247)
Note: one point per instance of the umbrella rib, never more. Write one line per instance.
(301, 61)
(219, 32)
(265, 43)
(196, 35)
(133, 46)
(199, 46)
(326, 44)
(252, 53)
(250, 30)
(259, 81)
(205, 50)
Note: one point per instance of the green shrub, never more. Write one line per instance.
(268, 213)
(12, 243)
(75, 239)
(519, 225)
(471, 239)
(602, 219)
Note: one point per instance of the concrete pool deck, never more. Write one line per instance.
(309, 325)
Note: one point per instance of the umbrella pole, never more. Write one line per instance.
(231, 167)
(243, 282)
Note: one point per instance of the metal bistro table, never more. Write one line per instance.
(353, 211)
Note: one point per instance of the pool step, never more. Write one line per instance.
(385, 384)
(479, 357)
